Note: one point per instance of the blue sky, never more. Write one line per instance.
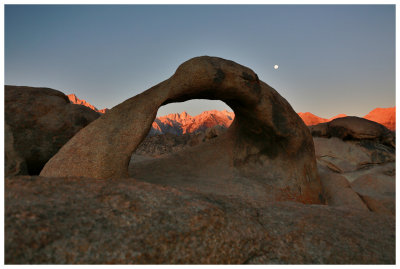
(332, 58)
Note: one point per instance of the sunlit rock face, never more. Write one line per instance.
(267, 153)
(384, 116)
(40, 121)
(311, 119)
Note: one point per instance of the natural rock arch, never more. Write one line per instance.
(267, 140)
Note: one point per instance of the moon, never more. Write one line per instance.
(276, 66)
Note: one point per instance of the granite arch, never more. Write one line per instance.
(266, 142)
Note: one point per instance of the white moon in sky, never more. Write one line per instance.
(276, 66)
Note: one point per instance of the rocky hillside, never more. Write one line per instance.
(162, 144)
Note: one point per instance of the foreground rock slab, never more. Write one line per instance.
(267, 140)
(123, 221)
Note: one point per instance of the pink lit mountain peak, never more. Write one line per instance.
(75, 100)
(182, 123)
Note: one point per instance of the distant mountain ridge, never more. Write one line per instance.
(310, 119)
(384, 116)
(75, 100)
(182, 123)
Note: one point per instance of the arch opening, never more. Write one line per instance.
(182, 125)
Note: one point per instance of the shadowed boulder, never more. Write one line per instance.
(267, 141)
(40, 121)
(13, 163)
(354, 128)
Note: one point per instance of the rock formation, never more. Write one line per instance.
(338, 192)
(377, 190)
(218, 196)
(354, 128)
(266, 143)
(356, 160)
(40, 121)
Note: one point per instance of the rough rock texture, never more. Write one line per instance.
(373, 183)
(13, 163)
(91, 221)
(214, 132)
(378, 191)
(385, 169)
(41, 121)
(347, 156)
(267, 142)
(158, 145)
(338, 192)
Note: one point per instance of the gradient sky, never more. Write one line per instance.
(332, 58)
